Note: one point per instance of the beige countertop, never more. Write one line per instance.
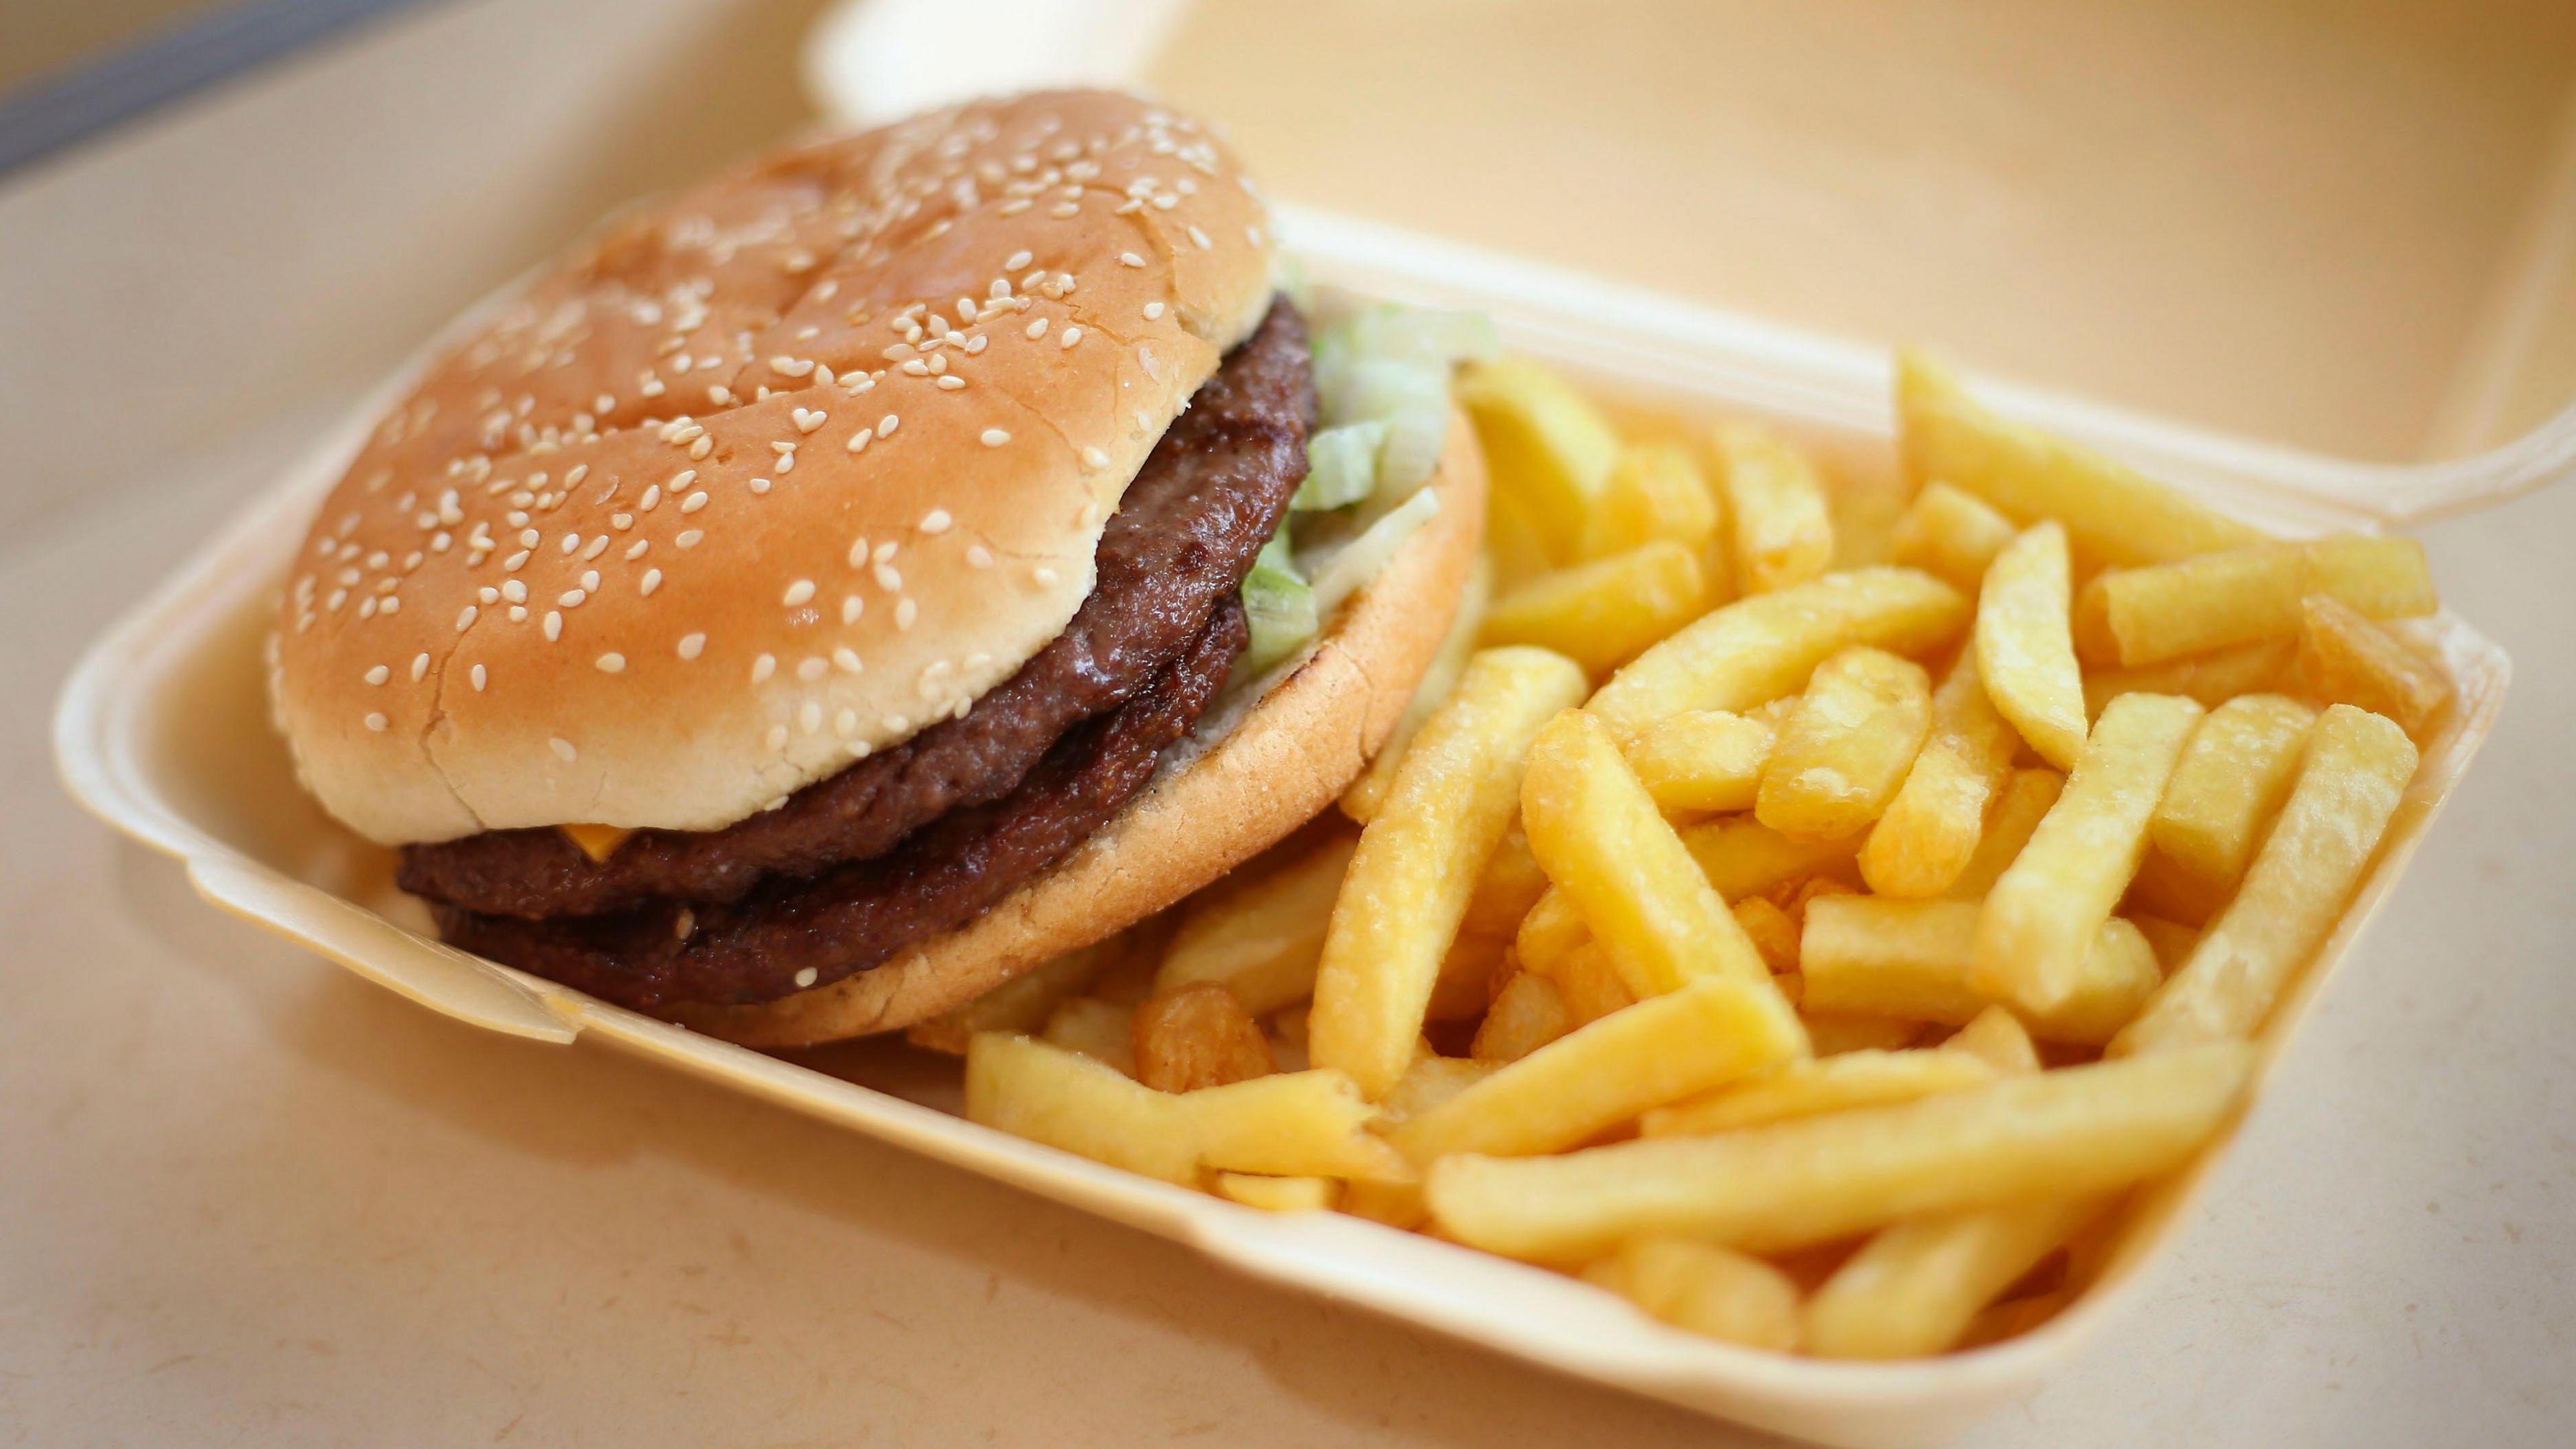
(250, 1198)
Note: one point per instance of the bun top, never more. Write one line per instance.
(766, 478)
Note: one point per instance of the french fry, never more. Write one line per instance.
(2025, 799)
(1095, 1029)
(1835, 1033)
(1761, 647)
(1513, 542)
(2349, 787)
(1701, 760)
(2163, 888)
(1654, 491)
(1527, 1014)
(1409, 881)
(1743, 857)
(1714, 1292)
(1823, 1084)
(1360, 802)
(1259, 935)
(2025, 647)
(1916, 960)
(2212, 679)
(1022, 1003)
(1709, 1031)
(1997, 1036)
(1396, 1204)
(1600, 838)
(1915, 1288)
(1927, 835)
(1777, 523)
(1951, 534)
(1547, 449)
(2232, 777)
(2221, 600)
(1290, 1124)
(1771, 931)
(1603, 613)
(1589, 983)
(1197, 1036)
(1509, 885)
(1552, 928)
(2079, 1131)
(2014, 1317)
(2346, 659)
(2039, 923)
(1068, 1099)
(2113, 515)
(1428, 1083)
(1839, 760)
(1278, 1194)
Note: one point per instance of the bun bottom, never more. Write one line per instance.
(1228, 794)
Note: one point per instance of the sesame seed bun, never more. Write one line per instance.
(1242, 783)
(766, 478)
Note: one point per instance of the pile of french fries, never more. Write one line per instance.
(1808, 929)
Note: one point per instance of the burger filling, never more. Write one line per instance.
(919, 840)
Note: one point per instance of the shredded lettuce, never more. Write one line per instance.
(1341, 466)
(1278, 604)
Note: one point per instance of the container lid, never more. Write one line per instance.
(2342, 244)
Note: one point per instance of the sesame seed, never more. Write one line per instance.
(379, 674)
(859, 551)
(808, 977)
(1153, 311)
(995, 437)
(951, 384)
(1018, 259)
(798, 592)
(851, 607)
(391, 605)
(758, 485)
(692, 645)
(887, 578)
(563, 749)
(809, 717)
(611, 662)
(776, 739)
(1094, 458)
(858, 444)
(515, 590)
(636, 549)
(570, 598)
(465, 618)
(936, 521)
(652, 580)
(478, 674)
(978, 556)
(694, 502)
(886, 425)
(846, 722)
(1071, 336)
(763, 667)
(1199, 239)
(808, 419)
(1037, 329)
(590, 581)
(1125, 258)
(376, 721)
(846, 660)
(419, 667)
(1043, 574)
(554, 625)
(518, 613)
(812, 667)
(690, 538)
(652, 498)
(905, 611)
(860, 749)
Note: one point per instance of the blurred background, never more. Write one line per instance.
(262, 1199)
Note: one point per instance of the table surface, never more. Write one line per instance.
(251, 1198)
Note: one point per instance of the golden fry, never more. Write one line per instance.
(1841, 757)
(1600, 838)
(1603, 613)
(2346, 659)
(1915, 1288)
(1417, 863)
(2212, 679)
(1361, 801)
(1810, 1087)
(1548, 450)
(1552, 928)
(1259, 935)
(1509, 885)
(1022, 1003)
(2039, 922)
(2079, 1131)
(1775, 510)
(1759, 648)
(1589, 983)
(1950, 534)
(1095, 1029)
(1743, 857)
(1701, 760)
(1527, 1014)
(2113, 515)
(1927, 835)
(2349, 788)
(2232, 776)
(1654, 491)
(1714, 1292)
(2025, 647)
(1996, 1035)
(1278, 1194)
(1771, 931)
(2221, 600)
(1197, 1036)
(1916, 960)
(2025, 799)
(1710, 1031)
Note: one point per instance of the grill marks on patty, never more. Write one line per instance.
(1184, 536)
(792, 935)
(921, 839)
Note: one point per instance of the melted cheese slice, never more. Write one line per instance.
(596, 841)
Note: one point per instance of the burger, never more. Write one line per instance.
(879, 571)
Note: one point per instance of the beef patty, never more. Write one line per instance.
(791, 935)
(1212, 491)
